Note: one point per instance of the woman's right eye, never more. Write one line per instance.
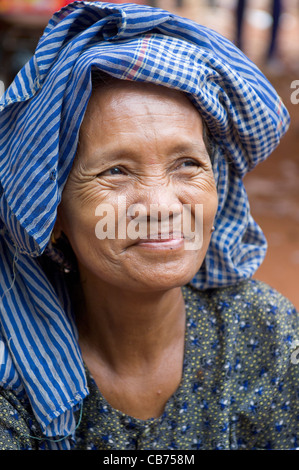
(113, 171)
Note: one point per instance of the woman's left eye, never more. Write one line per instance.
(189, 163)
(116, 171)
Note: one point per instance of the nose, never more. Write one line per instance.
(158, 202)
(158, 210)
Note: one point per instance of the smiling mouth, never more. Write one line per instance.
(162, 237)
(171, 240)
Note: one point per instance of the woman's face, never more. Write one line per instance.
(142, 145)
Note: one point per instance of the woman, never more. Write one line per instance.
(155, 336)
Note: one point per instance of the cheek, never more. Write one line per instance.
(92, 253)
(203, 192)
(210, 205)
(78, 222)
(80, 200)
(85, 214)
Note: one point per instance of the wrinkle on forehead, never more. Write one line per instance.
(119, 92)
(127, 100)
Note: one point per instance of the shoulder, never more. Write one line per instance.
(262, 307)
(252, 318)
(256, 292)
(250, 297)
(15, 423)
(243, 336)
(260, 294)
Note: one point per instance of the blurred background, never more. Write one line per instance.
(268, 32)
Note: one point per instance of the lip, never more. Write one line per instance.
(174, 241)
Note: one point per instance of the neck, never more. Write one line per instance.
(129, 329)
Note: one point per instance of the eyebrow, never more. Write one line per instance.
(197, 148)
(116, 154)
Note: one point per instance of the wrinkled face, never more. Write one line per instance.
(141, 149)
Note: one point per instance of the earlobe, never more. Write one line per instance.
(57, 230)
(55, 235)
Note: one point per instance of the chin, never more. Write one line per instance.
(164, 279)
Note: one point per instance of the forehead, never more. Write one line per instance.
(119, 99)
(142, 119)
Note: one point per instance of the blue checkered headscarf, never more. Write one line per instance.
(40, 117)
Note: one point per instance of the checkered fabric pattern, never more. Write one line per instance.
(40, 117)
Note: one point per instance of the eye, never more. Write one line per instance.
(188, 163)
(113, 171)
